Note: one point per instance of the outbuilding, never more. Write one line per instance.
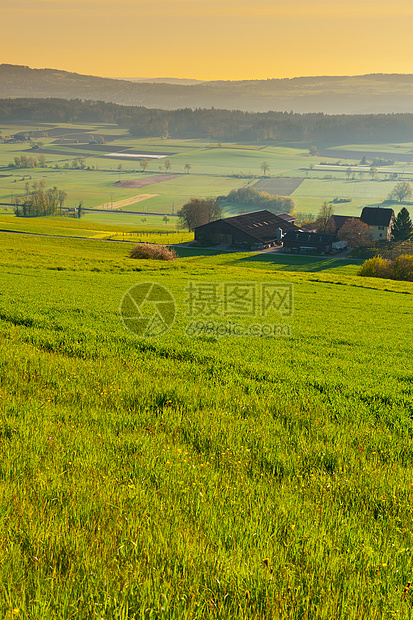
(308, 243)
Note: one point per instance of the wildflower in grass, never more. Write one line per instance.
(15, 611)
(406, 589)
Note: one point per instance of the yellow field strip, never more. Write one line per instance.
(125, 202)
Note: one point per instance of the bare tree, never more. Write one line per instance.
(144, 163)
(401, 191)
(322, 222)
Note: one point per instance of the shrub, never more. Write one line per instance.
(402, 268)
(376, 267)
(153, 252)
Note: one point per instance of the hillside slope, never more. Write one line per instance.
(376, 93)
(197, 476)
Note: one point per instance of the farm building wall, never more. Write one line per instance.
(380, 233)
(222, 232)
(294, 246)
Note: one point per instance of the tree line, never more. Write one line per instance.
(261, 200)
(213, 123)
(26, 161)
(40, 201)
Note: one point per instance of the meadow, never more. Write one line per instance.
(216, 169)
(196, 477)
(98, 228)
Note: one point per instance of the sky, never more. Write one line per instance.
(209, 39)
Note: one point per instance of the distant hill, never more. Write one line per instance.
(363, 94)
(161, 80)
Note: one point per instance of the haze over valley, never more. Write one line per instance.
(364, 94)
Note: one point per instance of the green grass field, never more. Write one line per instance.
(196, 477)
(215, 170)
(165, 233)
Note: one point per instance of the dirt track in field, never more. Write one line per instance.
(125, 202)
(159, 178)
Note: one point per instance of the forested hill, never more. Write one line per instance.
(216, 124)
(376, 93)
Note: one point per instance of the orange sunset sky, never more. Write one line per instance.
(208, 39)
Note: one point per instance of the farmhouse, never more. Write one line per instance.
(256, 229)
(308, 243)
(380, 222)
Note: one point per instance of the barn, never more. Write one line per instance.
(257, 229)
(308, 243)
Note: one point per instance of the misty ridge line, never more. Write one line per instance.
(363, 94)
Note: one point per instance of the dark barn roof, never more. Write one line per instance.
(375, 216)
(261, 225)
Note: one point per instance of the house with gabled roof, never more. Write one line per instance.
(255, 229)
(380, 221)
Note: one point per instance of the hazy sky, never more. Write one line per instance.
(209, 39)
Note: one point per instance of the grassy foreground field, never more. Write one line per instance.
(201, 477)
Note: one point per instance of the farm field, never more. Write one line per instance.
(86, 228)
(215, 169)
(193, 476)
(280, 186)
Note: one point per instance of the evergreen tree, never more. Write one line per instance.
(402, 227)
